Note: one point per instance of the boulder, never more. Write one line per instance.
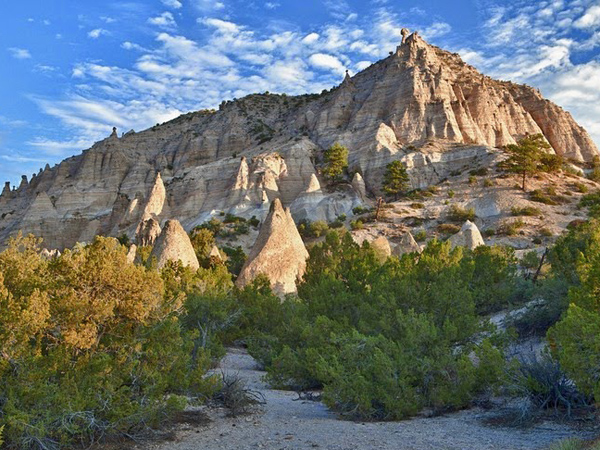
(468, 236)
(279, 253)
(407, 244)
(382, 248)
(174, 244)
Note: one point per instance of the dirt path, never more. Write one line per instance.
(287, 424)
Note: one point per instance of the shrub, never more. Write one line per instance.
(472, 179)
(546, 232)
(459, 214)
(488, 183)
(254, 222)
(525, 211)
(235, 395)
(451, 193)
(581, 187)
(592, 202)
(510, 228)
(91, 346)
(448, 228)
(489, 232)
(420, 235)
(417, 205)
(235, 259)
(230, 218)
(545, 384)
(356, 225)
(547, 196)
(202, 240)
(214, 225)
(480, 172)
(358, 210)
(124, 240)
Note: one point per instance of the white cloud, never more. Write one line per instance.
(221, 25)
(272, 5)
(590, 19)
(19, 53)
(165, 20)
(175, 4)
(437, 29)
(97, 32)
(208, 5)
(328, 62)
(310, 38)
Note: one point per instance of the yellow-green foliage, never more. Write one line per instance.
(336, 161)
(90, 346)
(384, 341)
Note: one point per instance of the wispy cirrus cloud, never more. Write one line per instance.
(19, 53)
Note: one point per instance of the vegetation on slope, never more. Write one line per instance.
(92, 347)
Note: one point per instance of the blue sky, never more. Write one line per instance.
(70, 70)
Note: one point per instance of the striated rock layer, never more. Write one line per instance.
(279, 252)
(421, 105)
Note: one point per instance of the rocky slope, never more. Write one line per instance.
(421, 105)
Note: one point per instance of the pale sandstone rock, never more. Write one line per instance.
(279, 252)
(147, 232)
(174, 244)
(468, 236)
(382, 248)
(359, 187)
(407, 244)
(49, 254)
(131, 253)
(156, 199)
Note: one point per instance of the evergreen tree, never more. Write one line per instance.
(395, 180)
(529, 157)
(336, 161)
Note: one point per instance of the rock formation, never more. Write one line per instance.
(49, 254)
(407, 244)
(174, 244)
(382, 248)
(468, 236)
(147, 232)
(131, 253)
(421, 105)
(279, 252)
(359, 187)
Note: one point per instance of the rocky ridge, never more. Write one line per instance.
(421, 105)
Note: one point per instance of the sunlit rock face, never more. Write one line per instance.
(421, 105)
(278, 253)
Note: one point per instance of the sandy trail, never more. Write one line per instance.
(287, 424)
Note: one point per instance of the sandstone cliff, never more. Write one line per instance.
(278, 253)
(421, 105)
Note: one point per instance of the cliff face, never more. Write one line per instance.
(421, 105)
